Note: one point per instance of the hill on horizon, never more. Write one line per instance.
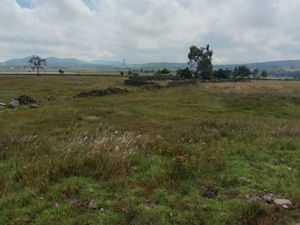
(288, 65)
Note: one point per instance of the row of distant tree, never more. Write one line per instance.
(239, 72)
(200, 67)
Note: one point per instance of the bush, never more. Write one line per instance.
(165, 71)
(222, 74)
(185, 73)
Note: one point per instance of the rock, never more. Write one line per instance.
(34, 106)
(284, 203)
(210, 193)
(93, 204)
(25, 100)
(14, 104)
(268, 198)
(2, 106)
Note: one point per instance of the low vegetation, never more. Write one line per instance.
(149, 156)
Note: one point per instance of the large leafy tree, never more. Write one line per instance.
(37, 63)
(201, 60)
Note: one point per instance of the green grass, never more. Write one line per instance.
(147, 157)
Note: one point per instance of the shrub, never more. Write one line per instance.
(185, 73)
(222, 74)
(165, 71)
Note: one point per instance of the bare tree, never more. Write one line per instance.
(37, 63)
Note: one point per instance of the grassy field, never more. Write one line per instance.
(147, 157)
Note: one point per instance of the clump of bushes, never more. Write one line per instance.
(165, 71)
(239, 73)
(185, 73)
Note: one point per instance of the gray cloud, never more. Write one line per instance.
(150, 30)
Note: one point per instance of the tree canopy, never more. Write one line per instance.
(201, 60)
(241, 72)
(37, 63)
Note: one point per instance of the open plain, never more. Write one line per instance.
(210, 153)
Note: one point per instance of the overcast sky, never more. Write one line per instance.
(238, 31)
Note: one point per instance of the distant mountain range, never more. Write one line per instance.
(273, 65)
(73, 62)
(51, 62)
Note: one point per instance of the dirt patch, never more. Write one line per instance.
(102, 92)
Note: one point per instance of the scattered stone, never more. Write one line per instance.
(14, 104)
(25, 100)
(33, 106)
(93, 204)
(56, 205)
(102, 92)
(284, 203)
(210, 193)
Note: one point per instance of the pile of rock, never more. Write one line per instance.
(14, 104)
(281, 202)
(25, 100)
(136, 81)
(271, 199)
(102, 92)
